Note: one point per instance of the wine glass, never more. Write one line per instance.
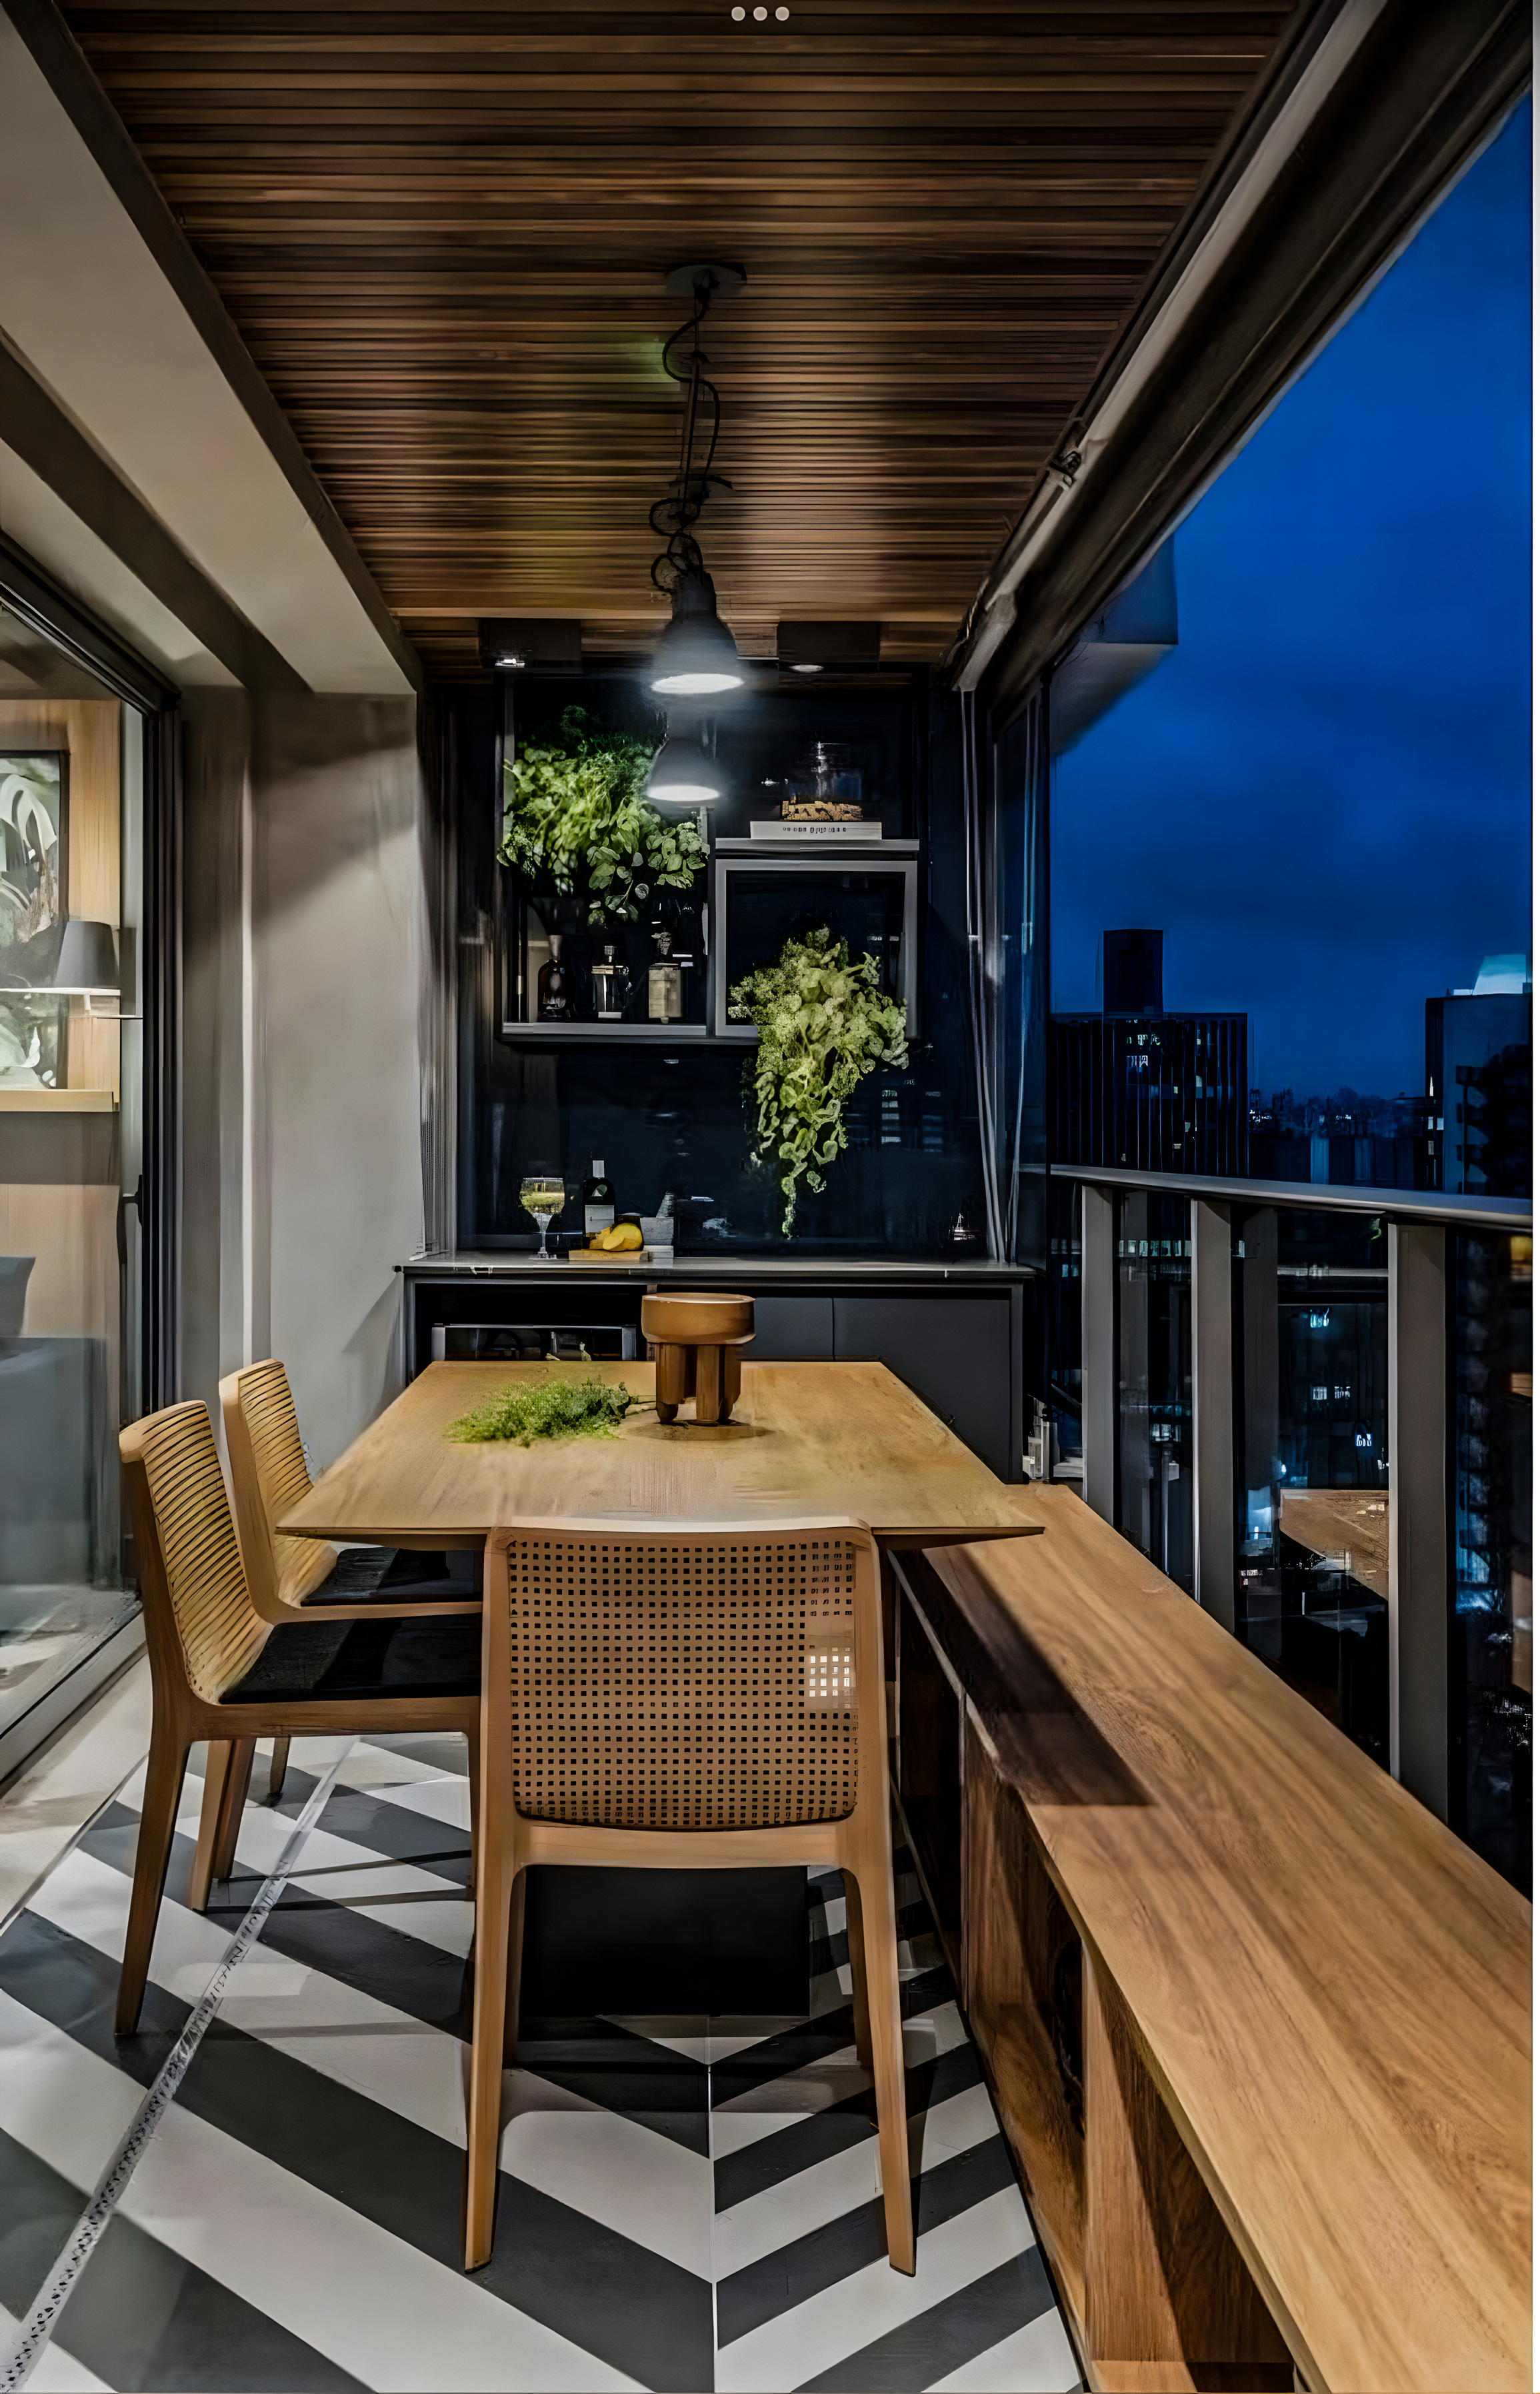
(542, 1192)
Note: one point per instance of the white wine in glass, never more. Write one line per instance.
(542, 1192)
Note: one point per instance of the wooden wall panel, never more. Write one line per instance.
(442, 232)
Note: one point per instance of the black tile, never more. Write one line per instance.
(810, 2263)
(943, 2338)
(811, 2138)
(643, 2315)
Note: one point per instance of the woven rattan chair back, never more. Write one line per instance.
(659, 1698)
(683, 1683)
(268, 1473)
(200, 1620)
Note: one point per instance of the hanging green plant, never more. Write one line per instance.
(823, 1025)
(576, 808)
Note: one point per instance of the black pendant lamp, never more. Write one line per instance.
(697, 656)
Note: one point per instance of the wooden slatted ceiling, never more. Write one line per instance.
(442, 232)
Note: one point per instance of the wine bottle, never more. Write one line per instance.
(598, 1201)
(555, 986)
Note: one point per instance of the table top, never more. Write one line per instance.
(816, 1440)
(1331, 1990)
(1352, 1522)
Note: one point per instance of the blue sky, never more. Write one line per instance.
(1322, 794)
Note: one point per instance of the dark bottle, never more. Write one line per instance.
(598, 1202)
(555, 987)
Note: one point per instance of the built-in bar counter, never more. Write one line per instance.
(952, 1332)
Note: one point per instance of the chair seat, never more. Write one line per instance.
(391, 1573)
(308, 1662)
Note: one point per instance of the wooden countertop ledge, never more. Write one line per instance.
(1329, 1992)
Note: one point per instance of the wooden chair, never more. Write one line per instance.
(219, 1671)
(287, 1575)
(660, 1699)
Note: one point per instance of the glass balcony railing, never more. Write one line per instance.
(1276, 1379)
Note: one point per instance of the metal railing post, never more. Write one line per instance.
(1213, 1429)
(1420, 1538)
(1098, 1358)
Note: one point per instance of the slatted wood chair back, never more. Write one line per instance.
(201, 1623)
(268, 1473)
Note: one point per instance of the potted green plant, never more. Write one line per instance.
(824, 1024)
(574, 813)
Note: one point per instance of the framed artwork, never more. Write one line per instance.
(33, 867)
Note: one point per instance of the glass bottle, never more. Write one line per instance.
(555, 986)
(611, 982)
(598, 1202)
(665, 983)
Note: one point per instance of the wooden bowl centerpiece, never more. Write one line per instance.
(696, 1339)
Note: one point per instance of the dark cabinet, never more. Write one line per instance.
(957, 1351)
(787, 1329)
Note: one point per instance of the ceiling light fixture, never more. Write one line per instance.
(697, 656)
(682, 773)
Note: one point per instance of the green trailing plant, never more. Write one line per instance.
(577, 807)
(823, 1025)
(552, 1408)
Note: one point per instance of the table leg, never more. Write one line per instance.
(732, 1379)
(708, 1384)
(674, 1379)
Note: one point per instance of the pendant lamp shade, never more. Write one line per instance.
(683, 775)
(696, 657)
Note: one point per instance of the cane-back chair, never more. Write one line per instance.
(219, 1671)
(667, 1698)
(288, 1575)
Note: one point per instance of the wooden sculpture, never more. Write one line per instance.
(696, 1340)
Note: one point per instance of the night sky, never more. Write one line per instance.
(1322, 794)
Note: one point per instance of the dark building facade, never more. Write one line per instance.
(1137, 1086)
(1156, 1092)
(1475, 1141)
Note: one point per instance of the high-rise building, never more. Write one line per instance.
(1137, 1086)
(1476, 1136)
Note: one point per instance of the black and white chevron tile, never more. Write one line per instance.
(684, 2204)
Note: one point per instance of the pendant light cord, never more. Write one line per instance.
(673, 516)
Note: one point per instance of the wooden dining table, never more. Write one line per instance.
(809, 1440)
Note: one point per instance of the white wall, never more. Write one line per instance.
(303, 931)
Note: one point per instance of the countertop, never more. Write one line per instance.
(518, 1263)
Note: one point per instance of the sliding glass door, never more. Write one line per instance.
(72, 1081)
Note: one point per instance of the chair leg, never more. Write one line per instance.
(232, 1804)
(879, 1939)
(278, 1769)
(857, 1944)
(216, 1771)
(473, 1740)
(493, 1895)
(162, 1792)
(515, 1960)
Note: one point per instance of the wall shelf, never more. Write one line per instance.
(604, 1035)
(57, 1101)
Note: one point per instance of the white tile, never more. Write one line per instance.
(341, 1872)
(808, 2339)
(1038, 2359)
(617, 2172)
(374, 2305)
(744, 2119)
(55, 2371)
(843, 2182)
(402, 2063)
(50, 1801)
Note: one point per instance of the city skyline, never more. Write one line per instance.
(1322, 794)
